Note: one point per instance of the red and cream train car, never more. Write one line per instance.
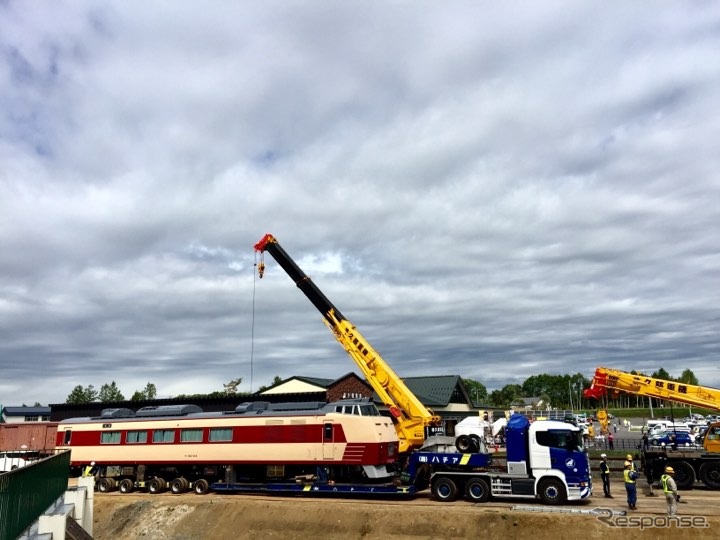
(180, 446)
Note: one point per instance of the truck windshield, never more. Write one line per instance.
(561, 438)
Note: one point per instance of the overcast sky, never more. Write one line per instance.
(493, 190)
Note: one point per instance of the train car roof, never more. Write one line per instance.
(251, 408)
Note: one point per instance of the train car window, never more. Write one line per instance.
(328, 432)
(164, 435)
(110, 437)
(136, 437)
(220, 434)
(191, 435)
(66, 438)
(369, 410)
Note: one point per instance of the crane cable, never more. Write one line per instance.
(252, 325)
(260, 265)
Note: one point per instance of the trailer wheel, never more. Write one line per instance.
(179, 485)
(444, 489)
(477, 490)
(710, 474)
(157, 485)
(201, 487)
(103, 486)
(552, 491)
(126, 485)
(684, 475)
(463, 443)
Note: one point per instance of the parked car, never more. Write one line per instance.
(680, 438)
(700, 434)
(9, 461)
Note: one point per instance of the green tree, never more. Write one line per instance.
(277, 380)
(546, 401)
(232, 386)
(149, 392)
(82, 394)
(577, 384)
(552, 386)
(477, 391)
(662, 374)
(110, 392)
(506, 395)
(688, 377)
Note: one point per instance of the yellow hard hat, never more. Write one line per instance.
(669, 470)
(627, 463)
(629, 457)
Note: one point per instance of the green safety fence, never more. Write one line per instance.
(27, 492)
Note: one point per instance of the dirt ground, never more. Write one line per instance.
(189, 517)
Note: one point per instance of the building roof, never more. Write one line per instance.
(437, 391)
(320, 383)
(317, 381)
(26, 411)
(529, 401)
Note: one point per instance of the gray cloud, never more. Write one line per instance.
(483, 191)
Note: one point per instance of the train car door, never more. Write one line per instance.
(328, 442)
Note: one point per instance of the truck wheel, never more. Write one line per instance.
(179, 485)
(475, 439)
(710, 474)
(684, 475)
(477, 490)
(126, 485)
(103, 485)
(201, 487)
(463, 443)
(552, 491)
(157, 485)
(444, 490)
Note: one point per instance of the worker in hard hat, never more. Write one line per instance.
(670, 490)
(605, 475)
(630, 459)
(89, 470)
(630, 477)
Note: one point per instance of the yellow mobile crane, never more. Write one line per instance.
(689, 464)
(410, 416)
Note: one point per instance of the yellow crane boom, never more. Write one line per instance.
(410, 416)
(640, 385)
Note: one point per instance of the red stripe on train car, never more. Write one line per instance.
(285, 434)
